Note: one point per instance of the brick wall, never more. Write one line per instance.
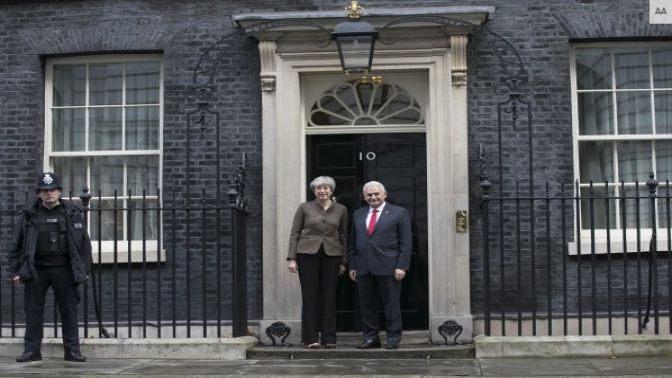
(31, 31)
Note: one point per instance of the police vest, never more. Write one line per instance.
(51, 237)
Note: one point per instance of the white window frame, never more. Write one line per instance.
(103, 251)
(598, 237)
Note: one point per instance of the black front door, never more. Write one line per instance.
(399, 162)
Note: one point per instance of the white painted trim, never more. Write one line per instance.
(615, 241)
(48, 117)
(107, 255)
(331, 130)
(106, 153)
(284, 164)
(111, 58)
(624, 137)
(413, 83)
(600, 242)
(107, 247)
(648, 44)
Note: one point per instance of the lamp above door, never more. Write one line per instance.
(355, 40)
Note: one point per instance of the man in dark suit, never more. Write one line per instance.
(380, 253)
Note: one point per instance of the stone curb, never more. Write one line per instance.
(196, 348)
(572, 346)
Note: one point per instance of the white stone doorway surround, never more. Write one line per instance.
(287, 54)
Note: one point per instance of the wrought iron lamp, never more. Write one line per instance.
(355, 40)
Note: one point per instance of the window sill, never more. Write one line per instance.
(615, 244)
(107, 253)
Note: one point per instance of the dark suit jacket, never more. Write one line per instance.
(388, 248)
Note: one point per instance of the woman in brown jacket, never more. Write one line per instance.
(317, 251)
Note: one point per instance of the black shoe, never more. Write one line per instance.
(74, 357)
(369, 344)
(392, 346)
(29, 356)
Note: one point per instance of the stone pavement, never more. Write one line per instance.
(502, 367)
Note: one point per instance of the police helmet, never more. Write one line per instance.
(48, 180)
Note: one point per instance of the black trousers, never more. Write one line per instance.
(318, 275)
(61, 281)
(372, 291)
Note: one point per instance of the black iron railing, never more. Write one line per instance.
(576, 259)
(161, 268)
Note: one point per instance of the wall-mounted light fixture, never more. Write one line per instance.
(355, 40)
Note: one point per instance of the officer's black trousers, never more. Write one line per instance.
(60, 279)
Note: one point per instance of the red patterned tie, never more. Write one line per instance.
(372, 222)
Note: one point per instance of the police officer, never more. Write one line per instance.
(50, 249)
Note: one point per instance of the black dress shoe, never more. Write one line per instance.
(392, 346)
(74, 357)
(369, 344)
(29, 356)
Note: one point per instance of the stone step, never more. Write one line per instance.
(408, 337)
(405, 351)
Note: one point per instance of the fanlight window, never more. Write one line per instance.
(358, 103)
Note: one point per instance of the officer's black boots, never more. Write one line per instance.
(29, 356)
(74, 357)
(37, 356)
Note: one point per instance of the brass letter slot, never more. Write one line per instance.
(461, 221)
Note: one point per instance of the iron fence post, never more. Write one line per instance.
(238, 204)
(238, 265)
(85, 197)
(652, 294)
(486, 186)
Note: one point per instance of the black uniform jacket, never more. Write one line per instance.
(24, 242)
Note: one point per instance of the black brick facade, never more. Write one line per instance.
(32, 31)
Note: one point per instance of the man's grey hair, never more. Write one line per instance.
(373, 184)
(323, 180)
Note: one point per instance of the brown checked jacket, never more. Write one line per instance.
(313, 226)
